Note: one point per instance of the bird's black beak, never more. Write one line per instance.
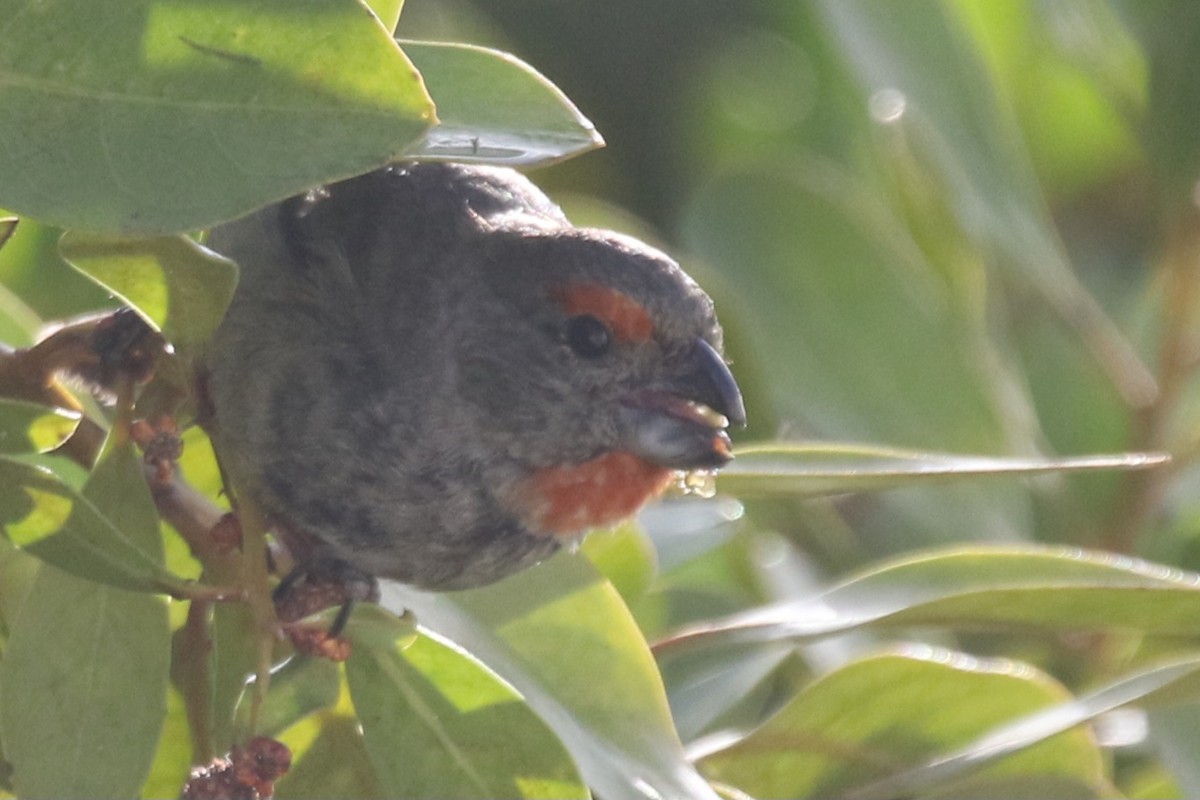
(681, 424)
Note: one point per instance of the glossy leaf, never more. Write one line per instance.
(436, 722)
(180, 287)
(561, 637)
(912, 705)
(493, 107)
(85, 670)
(830, 468)
(44, 516)
(33, 428)
(1058, 589)
(1162, 684)
(159, 117)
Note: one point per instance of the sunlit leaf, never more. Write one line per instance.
(32, 428)
(830, 468)
(335, 764)
(18, 322)
(173, 760)
(909, 706)
(85, 670)
(44, 516)
(166, 116)
(561, 637)
(1163, 684)
(625, 556)
(1058, 589)
(84, 687)
(436, 722)
(182, 288)
(495, 108)
(388, 11)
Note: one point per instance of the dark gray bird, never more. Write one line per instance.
(428, 374)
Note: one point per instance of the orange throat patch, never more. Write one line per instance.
(568, 501)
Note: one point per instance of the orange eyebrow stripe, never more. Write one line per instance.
(625, 317)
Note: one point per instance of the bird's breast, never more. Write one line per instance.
(568, 500)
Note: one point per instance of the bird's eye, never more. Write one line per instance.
(588, 336)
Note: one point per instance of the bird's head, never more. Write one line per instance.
(598, 364)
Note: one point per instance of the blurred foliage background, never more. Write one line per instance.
(966, 226)
(941, 226)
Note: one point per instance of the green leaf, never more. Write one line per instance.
(878, 714)
(173, 759)
(833, 468)
(494, 108)
(84, 688)
(19, 323)
(388, 12)
(1161, 685)
(1052, 588)
(33, 428)
(335, 764)
(625, 556)
(44, 516)
(158, 117)
(561, 636)
(180, 288)
(43, 287)
(85, 670)
(436, 722)
(300, 687)
(18, 571)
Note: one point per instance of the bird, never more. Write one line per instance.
(428, 374)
